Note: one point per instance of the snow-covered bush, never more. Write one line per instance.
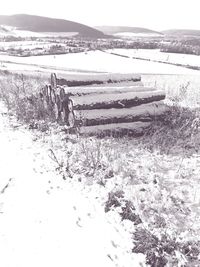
(20, 93)
(180, 128)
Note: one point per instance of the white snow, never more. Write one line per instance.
(155, 54)
(46, 221)
(137, 35)
(27, 44)
(95, 61)
(14, 31)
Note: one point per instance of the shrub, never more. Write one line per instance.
(179, 128)
(165, 251)
(114, 200)
(21, 95)
(128, 213)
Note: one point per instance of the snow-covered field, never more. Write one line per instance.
(134, 35)
(23, 44)
(31, 45)
(95, 61)
(46, 221)
(155, 54)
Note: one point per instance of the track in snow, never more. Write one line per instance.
(40, 227)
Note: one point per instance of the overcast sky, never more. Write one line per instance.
(154, 14)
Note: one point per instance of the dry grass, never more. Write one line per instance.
(154, 187)
(21, 94)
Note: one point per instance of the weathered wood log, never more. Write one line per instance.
(119, 84)
(80, 91)
(145, 112)
(116, 129)
(119, 100)
(97, 78)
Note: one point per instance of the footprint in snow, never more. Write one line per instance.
(78, 222)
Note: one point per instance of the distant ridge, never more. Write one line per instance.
(119, 29)
(182, 32)
(45, 24)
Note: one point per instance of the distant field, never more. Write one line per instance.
(24, 44)
(95, 61)
(155, 54)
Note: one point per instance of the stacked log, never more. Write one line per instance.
(97, 78)
(116, 129)
(143, 113)
(116, 100)
(119, 114)
(110, 107)
(89, 90)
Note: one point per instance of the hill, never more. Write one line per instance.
(114, 30)
(44, 24)
(182, 32)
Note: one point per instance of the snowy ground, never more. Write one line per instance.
(92, 61)
(134, 35)
(155, 54)
(25, 44)
(46, 221)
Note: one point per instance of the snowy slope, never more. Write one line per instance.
(6, 30)
(137, 35)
